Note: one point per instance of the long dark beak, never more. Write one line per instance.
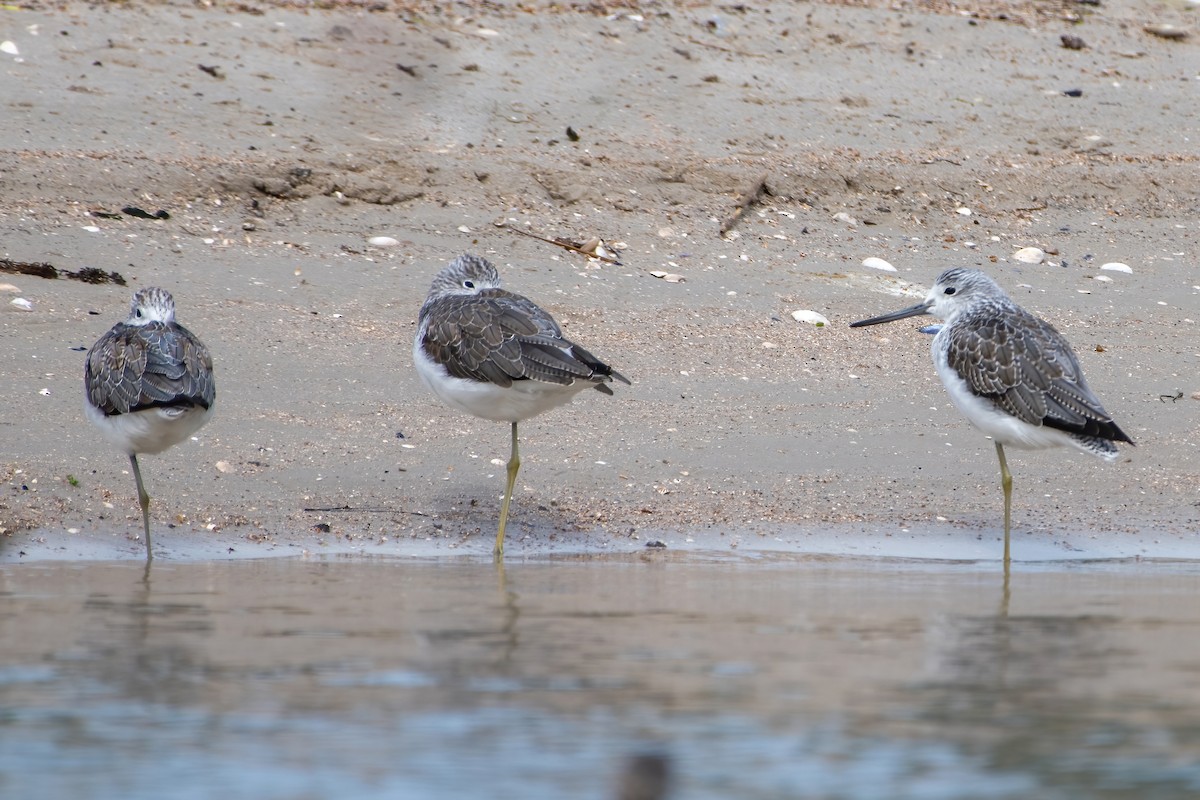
(904, 313)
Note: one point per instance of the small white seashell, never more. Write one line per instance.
(842, 216)
(9, 48)
(669, 277)
(44, 392)
(1103, 278)
(91, 229)
(878, 263)
(1167, 31)
(1117, 266)
(1030, 255)
(21, 303)
(8, 287)
(966, 212)
(811, 317)
(463, 229)
(382, 241)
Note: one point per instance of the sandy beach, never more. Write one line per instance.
(280, 140)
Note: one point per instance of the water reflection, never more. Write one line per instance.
(597, 678)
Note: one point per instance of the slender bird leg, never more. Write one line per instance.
(1006, 482)
(514, 464)
(144, 500)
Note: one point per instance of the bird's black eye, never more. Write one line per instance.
(950, 290)
(468, 284)
(138, 313)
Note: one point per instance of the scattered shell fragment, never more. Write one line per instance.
(21, 303)
(966, 212)
(1117, 266)
(1030, 255)
(669, 277)
(842, 216)
(811, 317)
(9, 48)
(878, 263)
(596, 248)
(91, 228)
(1167, 31)
(8, 287)
(382, 241)
(1102, 278)
(223, 466)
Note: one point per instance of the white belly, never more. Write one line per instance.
(522, 400)
(985, 416)
(150, 431)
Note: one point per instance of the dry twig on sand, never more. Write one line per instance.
(756, 193)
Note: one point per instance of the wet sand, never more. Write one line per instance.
(280, 142)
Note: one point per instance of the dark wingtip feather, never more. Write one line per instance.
(1101, 429)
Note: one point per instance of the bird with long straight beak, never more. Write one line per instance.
(1011, 374)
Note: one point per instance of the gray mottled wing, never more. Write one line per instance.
(499, 337)
(1029, 371)
(134, 367)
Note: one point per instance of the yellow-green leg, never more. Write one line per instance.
(1006, 482)
(514, 464)
(144, 500)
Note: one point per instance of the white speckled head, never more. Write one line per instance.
(151, 304)
(467, 274)
(955, 290)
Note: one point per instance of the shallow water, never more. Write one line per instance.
(754, 678)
